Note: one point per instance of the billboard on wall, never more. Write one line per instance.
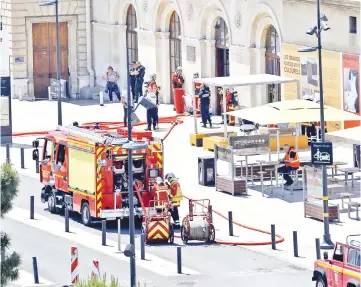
(304, 67)
(351, 86)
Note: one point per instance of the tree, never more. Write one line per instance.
(9, 190)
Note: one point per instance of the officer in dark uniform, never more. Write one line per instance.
(204, 97)
(132, 77)
(139, 80)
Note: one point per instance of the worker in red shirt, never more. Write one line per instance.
(177, 78)
(175, 196)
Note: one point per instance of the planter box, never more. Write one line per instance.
(314, 209)
(226, 184)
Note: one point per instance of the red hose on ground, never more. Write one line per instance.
(279, 240)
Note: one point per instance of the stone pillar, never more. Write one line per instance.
(163, 66)
(120, 53)
(20, 89)
(258, 60)
(147, 51)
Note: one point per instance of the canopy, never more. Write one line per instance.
(292, 111)
(349, 136)
(249, 80)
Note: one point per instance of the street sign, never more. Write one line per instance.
(256, 141)
(55, 85)
(321, 153)
(5, 104)
(223, 154)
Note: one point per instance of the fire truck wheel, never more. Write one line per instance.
(51, 202)
(171, 235)
(85, 214)
(184, 234)
(212, 234)
(320, 282)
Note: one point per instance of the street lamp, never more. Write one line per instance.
(130, 146)
(317, 31)
(58, 76)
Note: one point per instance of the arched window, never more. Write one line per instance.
(273, 65)
(175, 42)
(132, 37)
(221, 35)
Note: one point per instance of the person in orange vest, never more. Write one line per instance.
(160, 193)
(291, 161)
(177, 78)
(175, 196)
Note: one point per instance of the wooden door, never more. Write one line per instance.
(44, 55)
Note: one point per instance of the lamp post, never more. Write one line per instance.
(317, 30)
(58, 76)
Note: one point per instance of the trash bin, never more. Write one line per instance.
(178, 100)
(356, 155)
(206, 171)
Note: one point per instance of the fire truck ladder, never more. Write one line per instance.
(91, 135)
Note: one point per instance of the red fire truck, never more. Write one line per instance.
(343, 268)
(86, 172)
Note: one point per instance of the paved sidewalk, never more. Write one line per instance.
(252, 210)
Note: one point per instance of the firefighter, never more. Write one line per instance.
(160, 193)
(177, 78)
(204, 97)
(291, 161)
(175, 196)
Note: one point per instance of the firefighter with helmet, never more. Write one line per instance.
(175, 196)
(160, 193)
(177, 78)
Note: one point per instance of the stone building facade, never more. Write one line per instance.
(30, 31)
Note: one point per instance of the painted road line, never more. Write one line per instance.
(26, 279)
(153, 263)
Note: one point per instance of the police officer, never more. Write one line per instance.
(204, 97)
(132, 76)
(139, 80)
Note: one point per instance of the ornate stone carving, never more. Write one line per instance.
(238, 20)
(145, 5)
(190, 11)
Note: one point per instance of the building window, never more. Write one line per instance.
(175, 44)
(132, 37)
(222, 36)
(272, 41)
(353, 25)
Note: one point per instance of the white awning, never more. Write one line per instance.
(293, 111)
(248, 80)
(350, 136)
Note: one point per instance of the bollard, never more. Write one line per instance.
(22, 159)
(273, 236)
(8, 153)
(318, 249)
(210, 210)
(230, 223)
(35, 271)
(142, 246)
(32, 201)
(66, 216)
(295, 244)
(179, 260)
(37, 165)
(119, 235)
(104, 232)
(101, 98)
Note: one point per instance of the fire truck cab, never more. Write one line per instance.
(86, 171)
(343, 268)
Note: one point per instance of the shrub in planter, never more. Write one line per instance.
(94, 281)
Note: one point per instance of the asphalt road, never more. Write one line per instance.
(217, 265)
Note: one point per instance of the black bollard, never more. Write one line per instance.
(318, 249)
(179, 260)
(66, 216)
(104, 232)
(273, 236)
(295, 244)
(8, 153)
(230, 223)
(32, 202)
(142, 246)
(22, 158)
(35, 271)
(37, 165)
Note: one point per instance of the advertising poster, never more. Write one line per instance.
(351, 86)
(304, 67)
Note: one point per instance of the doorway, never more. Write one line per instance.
(175, 47)
(273, 66)
(44, 56)
(222, 56)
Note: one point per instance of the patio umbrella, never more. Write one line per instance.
(349, 136)
(292, 111)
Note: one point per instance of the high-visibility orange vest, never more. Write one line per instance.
(161, 195)
(295, 162)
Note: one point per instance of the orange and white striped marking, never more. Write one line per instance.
(96, 270)
(74, 265)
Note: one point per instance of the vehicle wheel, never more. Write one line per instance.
(212, 234)
(320, 282)
(184, 234)
(171, 235)
(51, 202)
(85, 214)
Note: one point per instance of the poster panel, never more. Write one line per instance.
(304, 67)
(351, 86)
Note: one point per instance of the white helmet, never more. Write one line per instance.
(153, 77)
(159, 180)
(179, 69)
(169, 175)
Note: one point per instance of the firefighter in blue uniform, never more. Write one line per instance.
(204, 97)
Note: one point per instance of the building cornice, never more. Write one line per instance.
(343, 4)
